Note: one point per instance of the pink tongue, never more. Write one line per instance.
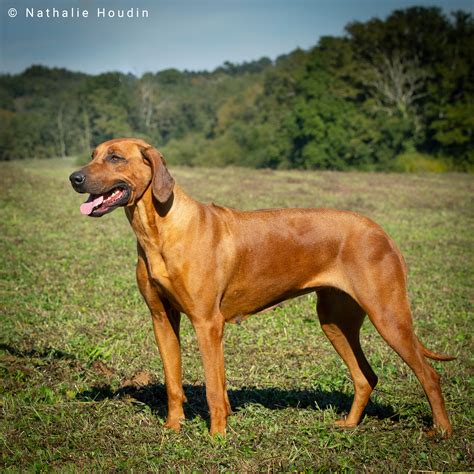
(88, 206)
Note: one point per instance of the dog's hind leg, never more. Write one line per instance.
(381, 291)
(341, 319)
(394, 323)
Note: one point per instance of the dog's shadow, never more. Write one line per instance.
(154, 396)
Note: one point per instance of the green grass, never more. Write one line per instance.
(75, 332)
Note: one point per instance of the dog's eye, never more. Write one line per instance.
(115, 158)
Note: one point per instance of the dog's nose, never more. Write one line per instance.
(77, 178)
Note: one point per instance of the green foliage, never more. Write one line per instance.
(454, 131)
(82, 159)
(387, 88)
(420, 163)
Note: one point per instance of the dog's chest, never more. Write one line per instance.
(156, 265)
(149, 243)
(157, 269)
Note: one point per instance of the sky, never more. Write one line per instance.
(182, 34)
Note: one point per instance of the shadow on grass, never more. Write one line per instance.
(154, 395)
(45, 353)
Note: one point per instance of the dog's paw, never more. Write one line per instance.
(343, 423)
(174, 424)
(437, 432)
(218, 434)
(218, 429)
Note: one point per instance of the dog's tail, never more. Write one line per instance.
(434, 355)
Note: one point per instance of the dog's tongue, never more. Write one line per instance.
(88, 206)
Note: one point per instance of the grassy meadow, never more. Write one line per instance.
(81, 385)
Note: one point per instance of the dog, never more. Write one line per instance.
(219, 265)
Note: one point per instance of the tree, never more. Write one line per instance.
(403, 84)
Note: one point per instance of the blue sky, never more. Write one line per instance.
(183, 34)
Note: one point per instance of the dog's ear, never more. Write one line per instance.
(162, 181)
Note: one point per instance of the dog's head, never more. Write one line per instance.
(119, 173)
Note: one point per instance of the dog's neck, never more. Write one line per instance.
(159, 228)
(161, 218)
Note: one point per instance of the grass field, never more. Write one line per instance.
(81, 378)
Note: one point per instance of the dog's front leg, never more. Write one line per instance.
(166, 329)
(210, 334)
(166, 321)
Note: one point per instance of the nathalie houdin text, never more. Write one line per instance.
(74, 12)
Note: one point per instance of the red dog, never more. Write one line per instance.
(219, 265)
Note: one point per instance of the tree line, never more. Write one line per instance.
(389, 94)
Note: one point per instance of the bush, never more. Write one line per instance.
(418, 163)
(184, 150)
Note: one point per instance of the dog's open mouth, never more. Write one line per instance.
(99, 204)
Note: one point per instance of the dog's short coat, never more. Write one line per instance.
(220, 265)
